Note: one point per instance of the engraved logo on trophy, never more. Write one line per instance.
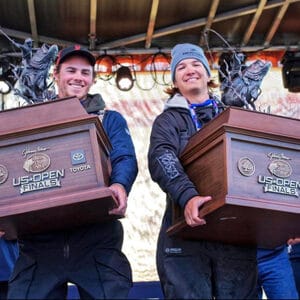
(3, 174)
(78, 157)
(38, 162)
(279, 166)
(78, 160)
(246, 166)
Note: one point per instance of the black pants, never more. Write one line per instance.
(90, 257)
(3, 290)
(205, 270)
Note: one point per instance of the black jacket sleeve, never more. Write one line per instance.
(166, 142)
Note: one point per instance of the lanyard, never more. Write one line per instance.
(207, 103)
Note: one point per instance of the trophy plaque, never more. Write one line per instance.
(54, 168)
(249, 162)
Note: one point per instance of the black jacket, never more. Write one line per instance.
(171, 132)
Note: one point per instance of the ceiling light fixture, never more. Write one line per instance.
(124, 79)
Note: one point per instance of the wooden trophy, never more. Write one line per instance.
(249, 162)
(54, 168)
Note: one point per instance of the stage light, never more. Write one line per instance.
(124, 79)
(291, 71)
(5, 87)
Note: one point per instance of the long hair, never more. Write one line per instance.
(212, 84)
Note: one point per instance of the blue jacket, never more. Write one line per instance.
(8, 255)
(122, 157)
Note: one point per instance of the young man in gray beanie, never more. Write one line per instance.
(192, 269)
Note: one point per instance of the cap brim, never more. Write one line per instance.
(79, 52)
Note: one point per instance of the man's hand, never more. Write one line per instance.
(2, 233)
(191, 210)
(293, 241)
(120, 193)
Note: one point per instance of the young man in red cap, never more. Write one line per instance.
(192, 269)
(89, 256)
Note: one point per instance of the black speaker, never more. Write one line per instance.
(291, 71)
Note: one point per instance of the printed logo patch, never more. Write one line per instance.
(78, 157)
(168, 163)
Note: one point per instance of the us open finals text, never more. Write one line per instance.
(39, 181)
(280, 185)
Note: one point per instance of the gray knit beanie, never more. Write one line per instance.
(184, 51)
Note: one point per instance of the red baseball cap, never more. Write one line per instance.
(75, 50)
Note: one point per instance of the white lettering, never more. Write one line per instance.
(80, 168)
(39, 177)
(41, 185)
(279, 185)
